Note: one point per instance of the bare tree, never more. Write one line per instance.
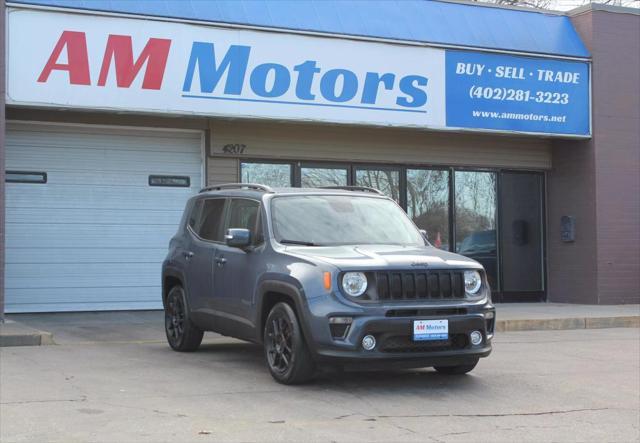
(562, 4)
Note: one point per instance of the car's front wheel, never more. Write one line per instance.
(182, 334)
(285, 349)
(456, 370)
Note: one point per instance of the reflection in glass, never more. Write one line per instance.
(475, 199)
(316, 177)
(270, 174)
(428, 203)
(385, 180)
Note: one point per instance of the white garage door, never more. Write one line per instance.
(93, 236)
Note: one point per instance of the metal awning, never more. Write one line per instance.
(425, 21)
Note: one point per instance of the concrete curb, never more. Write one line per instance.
(17, 334)
(557, 324)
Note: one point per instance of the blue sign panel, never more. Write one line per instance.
(521, 94)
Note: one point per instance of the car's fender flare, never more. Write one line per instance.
(175, 273)
(294, 291)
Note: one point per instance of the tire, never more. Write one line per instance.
(285, 350)
(456, 370)
(182, 334)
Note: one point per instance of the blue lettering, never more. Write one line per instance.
(417, 95)
(305, 71)
(372, 82)
(349, 85)
(281, 81)
(234, 62)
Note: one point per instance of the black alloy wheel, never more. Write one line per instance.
(285, 349)
(280, 344)
(182, 335)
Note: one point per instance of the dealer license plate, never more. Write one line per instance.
(424, 330)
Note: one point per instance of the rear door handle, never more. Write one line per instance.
(221, 261)
(188, 255)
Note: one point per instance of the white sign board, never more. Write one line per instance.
(97, 62)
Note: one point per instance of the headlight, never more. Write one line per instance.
(354, 283)
(472, 282)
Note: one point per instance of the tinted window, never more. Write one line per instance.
(211, 219)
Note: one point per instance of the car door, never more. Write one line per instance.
(237, 269)
(206, 238)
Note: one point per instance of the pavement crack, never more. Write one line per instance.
(27, 402)
(507, 414)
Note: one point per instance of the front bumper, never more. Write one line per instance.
(392, 327)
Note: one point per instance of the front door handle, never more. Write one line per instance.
(221, 261)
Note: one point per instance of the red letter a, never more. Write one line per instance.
(77, 59)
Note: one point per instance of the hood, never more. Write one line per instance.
(365, 257)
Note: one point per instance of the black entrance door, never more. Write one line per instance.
(521, 237)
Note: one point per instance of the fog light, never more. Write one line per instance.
(476, 338)
(369, 342)
(489, 314)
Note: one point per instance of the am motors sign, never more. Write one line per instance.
(123, 64)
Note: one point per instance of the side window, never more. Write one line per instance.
(244, 214)
(211, 219)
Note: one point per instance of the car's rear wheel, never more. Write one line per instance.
(182, 334)
(285, 349)
(456, 370)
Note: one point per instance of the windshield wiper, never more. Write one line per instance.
(297, 242)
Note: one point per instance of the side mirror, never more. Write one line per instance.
(424, 234)
(238, 238)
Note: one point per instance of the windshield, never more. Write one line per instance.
(316, 220)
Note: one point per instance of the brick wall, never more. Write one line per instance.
(598, 181)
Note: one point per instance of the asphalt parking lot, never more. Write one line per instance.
(537, 386)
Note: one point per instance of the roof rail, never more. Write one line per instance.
(354, 188)
(251, 186)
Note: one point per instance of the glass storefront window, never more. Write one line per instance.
(270, 174)
(475, 219)
(428, 203)
(313, 177)
(385, 180)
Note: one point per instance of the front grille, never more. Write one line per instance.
(420, 285)
(404, 343)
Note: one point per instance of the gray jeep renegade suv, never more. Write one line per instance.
(322, 277)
